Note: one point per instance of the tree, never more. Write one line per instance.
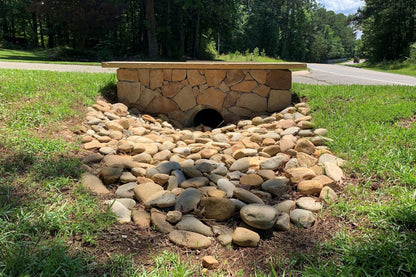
(151, 30)
(388, 28)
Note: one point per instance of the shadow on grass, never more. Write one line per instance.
(34, 258)
(109, 91)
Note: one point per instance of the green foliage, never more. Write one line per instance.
(388, 28)
(110, 29)
(248, 56)
(373, 130)
(412, 53)
(398, 67)
(36, 218)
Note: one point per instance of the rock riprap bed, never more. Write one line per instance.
(229, 184)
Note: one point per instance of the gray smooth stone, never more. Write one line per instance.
(188, 200)
(259, 216)
(191, 223)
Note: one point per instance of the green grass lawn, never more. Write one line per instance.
(50, 226)
(250, 57)
(34, 56)
(373, 129)
(404, 68)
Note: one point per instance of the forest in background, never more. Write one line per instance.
(294, 30)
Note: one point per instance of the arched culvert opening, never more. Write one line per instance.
(208, 117)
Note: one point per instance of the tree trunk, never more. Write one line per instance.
(181, 35)
(42, 39)
(35, 40)
(195, 45)
(151, 30)
(51, 38)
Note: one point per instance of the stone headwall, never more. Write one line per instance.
(181, 93)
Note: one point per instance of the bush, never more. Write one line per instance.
(412, 53)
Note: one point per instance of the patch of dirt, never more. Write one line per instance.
(144, 245)
(407, 122)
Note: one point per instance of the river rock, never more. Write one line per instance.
(302, 218)
(141, 218)
(299, 174)
(189, 239)
(277, 186)
(327, 194)
(247, 196)
(188, 200)
(174, 216)
(168, 167)
(283, 222)
(224, 234)
(275, 162)
(253, 180)
(259, 216)
(305, 146)
(210, 262)
(308, 203)
(127, 177)
(160, 178)
(94, 184)
(285, 206)
(158, 219)
(240, 165)
(145, 190)
(110, 175)
(122, 213)
(309, 187)
(127, 202)
(245, 237)
(227, 186)
(196, 182)
(217, 208)
(161, 199)
(190, 223)
(333, 171)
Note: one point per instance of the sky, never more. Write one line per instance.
(342, 6)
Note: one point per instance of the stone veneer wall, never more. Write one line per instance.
(182, 93)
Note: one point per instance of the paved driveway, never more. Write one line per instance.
(324, 74)
(331, 74)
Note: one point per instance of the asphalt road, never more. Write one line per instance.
(57, 67)
(321, 74)
(331, 74)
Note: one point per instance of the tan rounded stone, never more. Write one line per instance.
(208, 153)
(245, 237)
(299, 174)
(251, 180)
(306, 146)
(268, 142)
(309, 187)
